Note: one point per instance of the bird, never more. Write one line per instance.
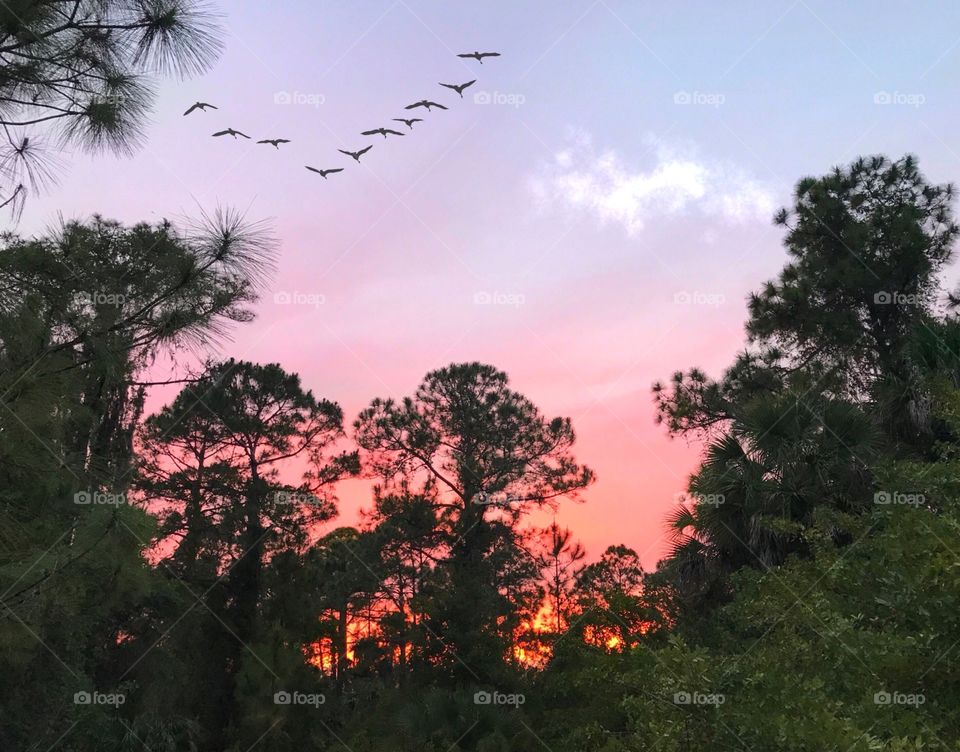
(425, 103)
(323, 173)
(202, 106)
(382, 131)
(230, 132)
(356, 154)
(460, 87)
(479, 56)
(275, 141)
(409, 123)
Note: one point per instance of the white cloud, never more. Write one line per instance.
(677, 182)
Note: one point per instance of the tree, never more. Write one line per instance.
(867, 243)
(83, 312)
(83, 67)
(610, 593)
(216, 454)
(480, 441)
(560, 555)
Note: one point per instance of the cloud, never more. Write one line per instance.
(678, 182)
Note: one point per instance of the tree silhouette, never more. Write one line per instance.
(479, 440)
(81, 68)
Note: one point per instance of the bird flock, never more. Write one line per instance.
(426, 104)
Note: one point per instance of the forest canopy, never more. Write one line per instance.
(178, 580)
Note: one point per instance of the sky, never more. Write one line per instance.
(589, 218)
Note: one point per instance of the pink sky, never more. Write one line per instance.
(614, 197)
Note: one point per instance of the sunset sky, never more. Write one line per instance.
(589, 218)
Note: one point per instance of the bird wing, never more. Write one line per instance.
(191, 109)
(265, 141)
(489, 54)
(370, 133)
(466, 54)
(468, 83)
(314, 169)
(348, 153)
(392, 132)
(335, 169)
(413, 106)
(241, 134)
(450, 86)
(282, 140)
(222, 133)
(364, 151)
(434, 104)
(207, 104)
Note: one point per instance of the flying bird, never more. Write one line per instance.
(460, 87)
(356, 154)
(230, 132)
(479, 56)
(202, 106)
(425, 103)
(323, 173)
(382, 131)
(275, 141)
(409, 123)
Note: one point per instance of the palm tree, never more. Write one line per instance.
(760, 483)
